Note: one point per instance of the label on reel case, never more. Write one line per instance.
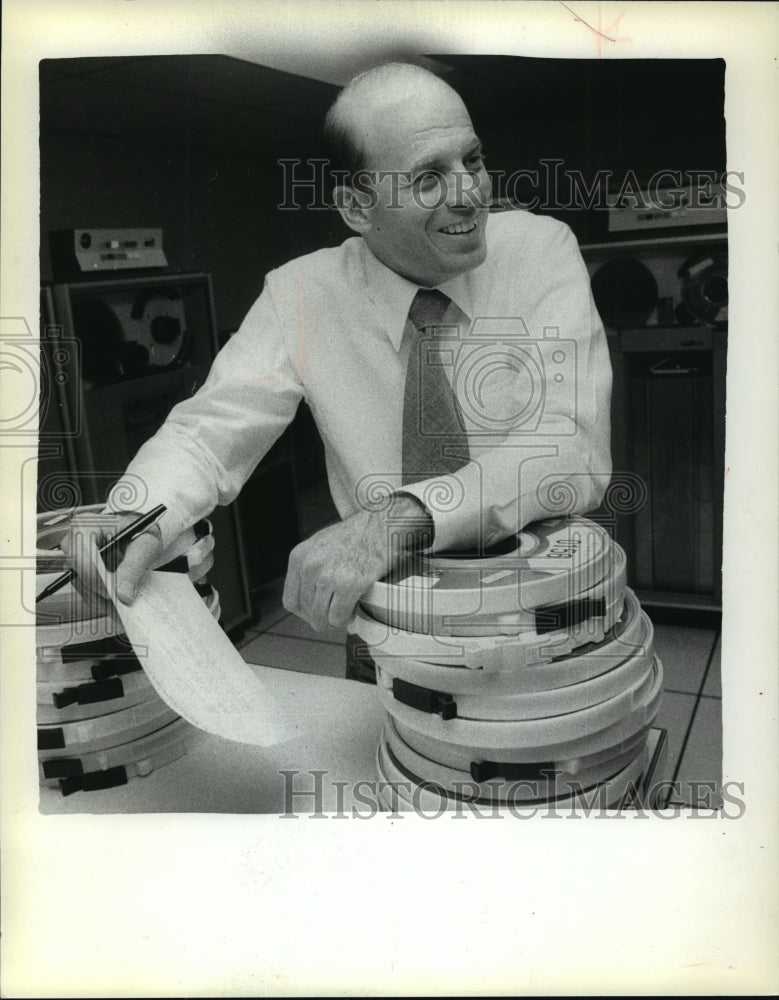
(551, 562)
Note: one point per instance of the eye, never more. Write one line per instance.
(427, 179)
(474, 161)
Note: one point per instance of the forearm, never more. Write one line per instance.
(499, 493)
(172, 469)
(408, 525)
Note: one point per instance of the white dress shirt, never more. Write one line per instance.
(532, 378)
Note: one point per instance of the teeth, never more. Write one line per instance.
(461, 227)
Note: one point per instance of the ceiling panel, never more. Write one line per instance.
(159, 99)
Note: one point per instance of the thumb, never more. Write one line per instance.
(138, 559)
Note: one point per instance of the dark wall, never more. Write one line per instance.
(217, 209)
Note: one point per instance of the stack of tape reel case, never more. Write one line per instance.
(521, 676)
(100, 722)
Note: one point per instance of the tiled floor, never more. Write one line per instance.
(691, 711)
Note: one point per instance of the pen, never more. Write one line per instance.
(125, 535)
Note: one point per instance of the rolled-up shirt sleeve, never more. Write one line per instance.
(557, 462)
(211, 443)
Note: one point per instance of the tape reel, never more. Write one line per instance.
(401, 793)
(99, 716)
(51, 639)
(88, 735)
(704, 287)
(100, 701)
(484, 765)
(625, 292)
(490, 653)
(52, 669)
(582, 607)
(56, 644)
(460, 742)
(632, 636)
(488, 666)
(127, 340)
(542, 781)
(508, 706)
(138, 757)
(57, 702)
(586, 608)
(158, 327)
(552, 562)
(530, 734)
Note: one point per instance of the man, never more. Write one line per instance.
(413, 462)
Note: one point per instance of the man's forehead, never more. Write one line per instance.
(407, 136)
(440, 144)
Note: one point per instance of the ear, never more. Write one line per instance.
(355, 207)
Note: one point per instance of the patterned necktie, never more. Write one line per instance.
(434, 440)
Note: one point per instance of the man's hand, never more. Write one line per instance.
(329, 572)
(88, 531)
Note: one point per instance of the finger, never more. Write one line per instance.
(312, 594)
(139, 557)
(317, 612)
(291, 596)
(203, 568)
(342, 608)
(107, 581)
(78, 545)
(84, 531)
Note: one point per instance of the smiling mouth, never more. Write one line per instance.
(460, 229)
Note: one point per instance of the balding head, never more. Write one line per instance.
(359, 109)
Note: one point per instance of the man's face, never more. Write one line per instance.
(427, 220)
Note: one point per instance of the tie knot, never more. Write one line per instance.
(428, 308)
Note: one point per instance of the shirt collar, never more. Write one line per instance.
(392, 294)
